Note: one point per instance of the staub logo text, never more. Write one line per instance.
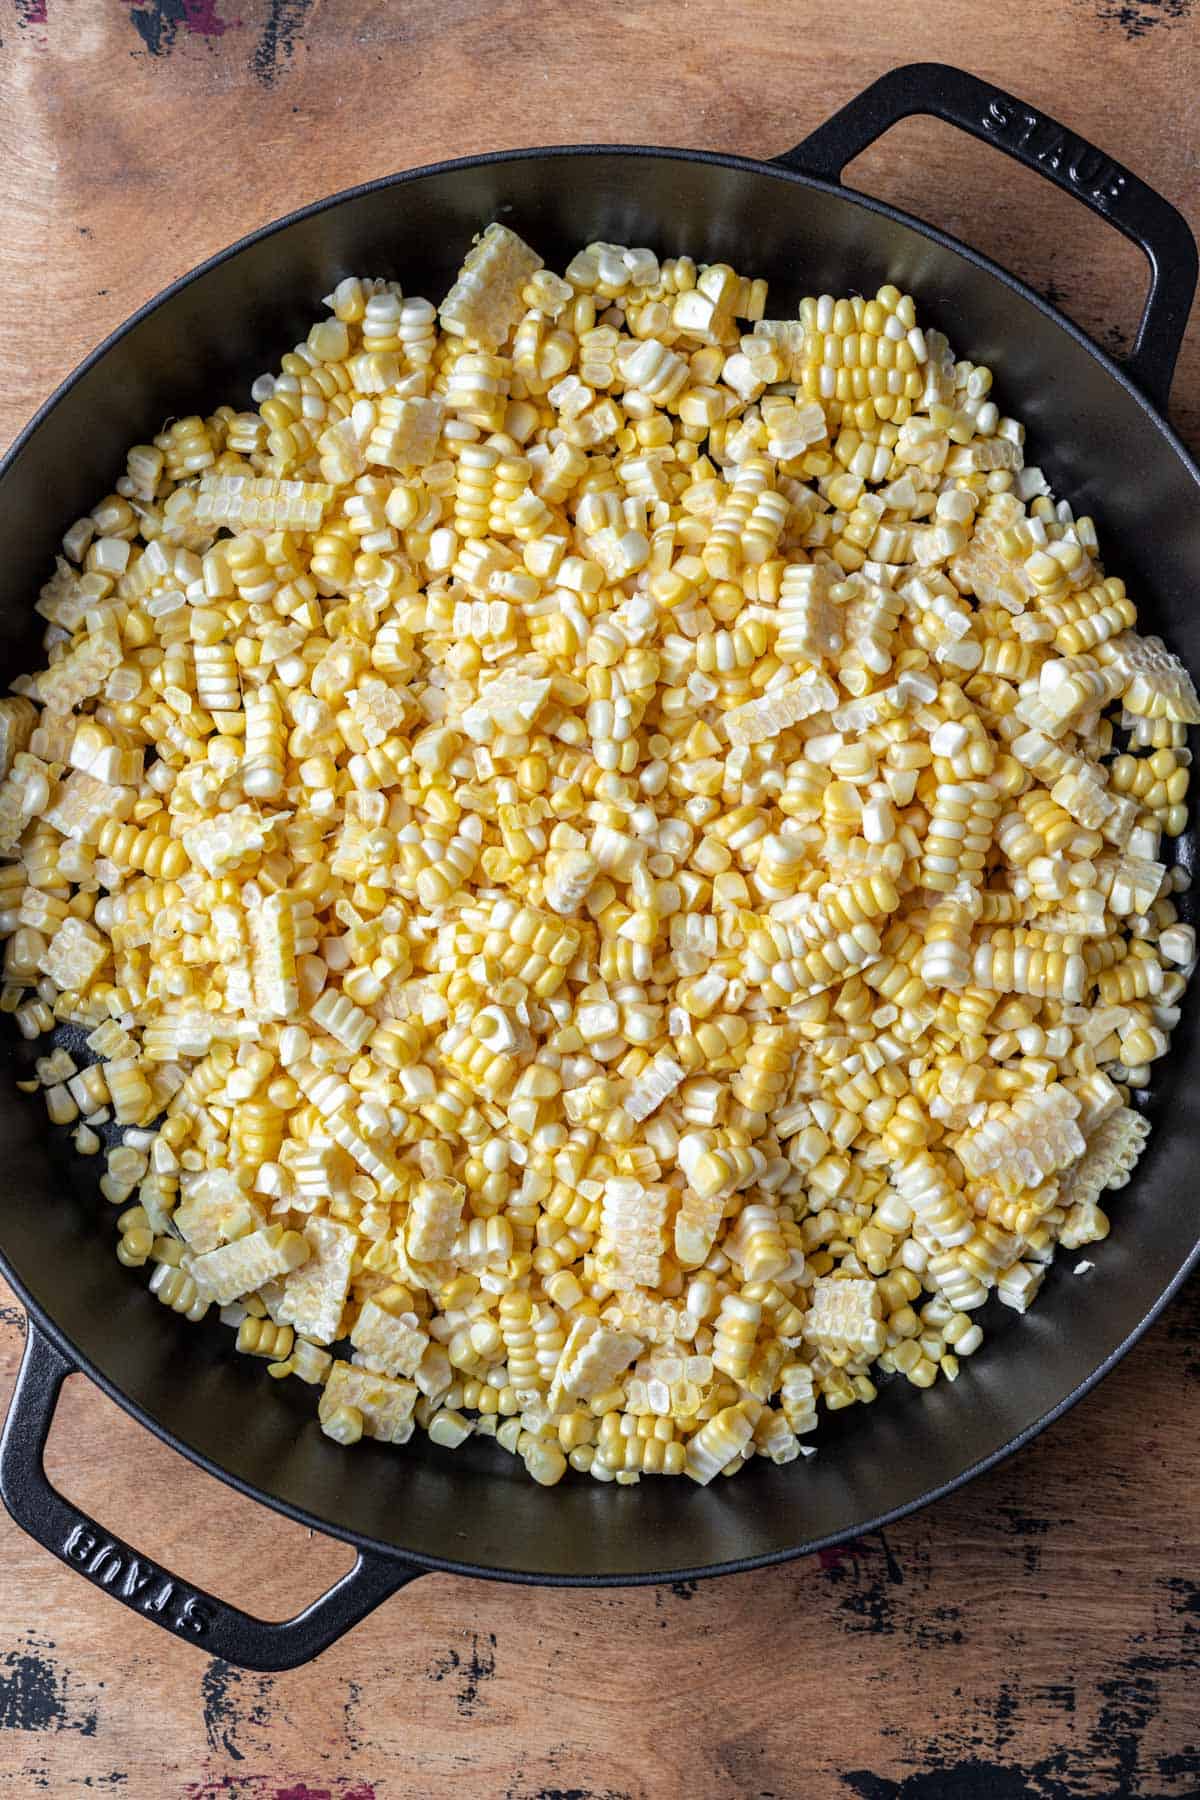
(1059, 151)
(138, 1582)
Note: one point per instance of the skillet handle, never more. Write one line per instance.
(148, 1589)
(1049, 149)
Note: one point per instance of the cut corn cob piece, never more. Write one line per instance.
(383, 1408)
(247, 502)
(757, 721)
(386, 1342)
(314, 1293)
(485, 301)
(591, 1359)
(225, 1274)
(845, 1317)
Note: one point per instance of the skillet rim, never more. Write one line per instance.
(41, 1320)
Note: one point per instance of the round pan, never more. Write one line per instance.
(1097, 430)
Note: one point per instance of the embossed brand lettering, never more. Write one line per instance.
(1029, 124)
(1051, 153)
(106, 1565)
(80, 1544)
(195, 1617)
(1086, 166)
(156, 1603)
(136, 1581)
(1047, 144)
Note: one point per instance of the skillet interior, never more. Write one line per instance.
(1102, 447)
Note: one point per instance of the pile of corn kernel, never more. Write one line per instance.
(606, 852)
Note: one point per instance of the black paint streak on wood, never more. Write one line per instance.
(937, 1627)
(1030, 1530)
(1186, 1763)
(557, 1793)
(980, 1779)
(12, 1315)
(33, 1694)
(158, 23)
(280, 35)
(1123, 1700)
(963, 1781)
(520, 1788)
(30, 1696)
(273, 1787)
(1185, 1600)
(868, 1603)
(215, 1686)
(895, 1573)
(560, 1793)
(1138, 18)
(350, 1717)
(229, 1705)
(1131, 1699)
(468, 1672)
(962, 1765)
(1005, 1711)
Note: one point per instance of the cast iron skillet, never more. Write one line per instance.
(1096, 427)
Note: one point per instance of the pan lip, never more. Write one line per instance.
(42, 1320)
(426, 1564)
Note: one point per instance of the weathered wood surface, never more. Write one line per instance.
(1037, 1635)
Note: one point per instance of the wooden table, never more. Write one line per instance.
(1037, 1635)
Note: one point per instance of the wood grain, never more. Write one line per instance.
(1036, 1635)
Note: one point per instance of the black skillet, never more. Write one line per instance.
(1098, 429)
